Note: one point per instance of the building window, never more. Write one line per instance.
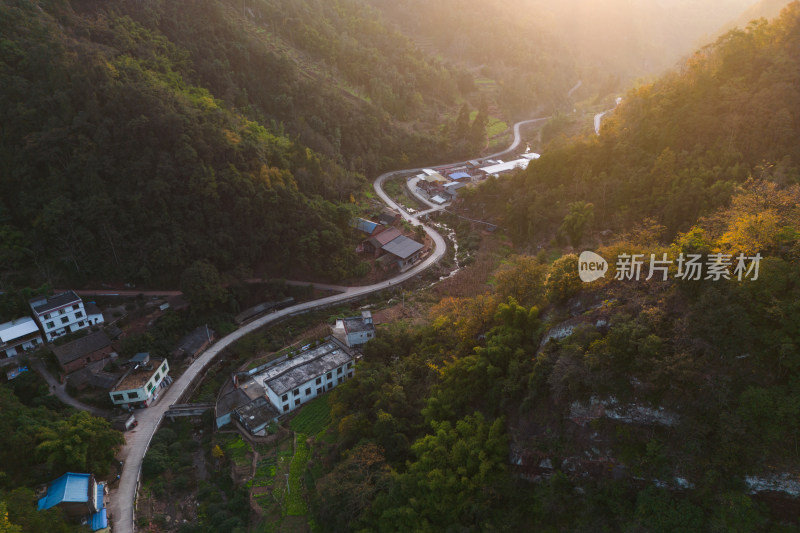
(328, 375)
(296, 392)
(330, 386)
(319, 380)
(64, 319)
(49, 325)
(285, 397)
(157, 376)
(339, 370)
(119, 397)
(308, 391)
(78, 314)
(350, 364)
(46, 316)
(76, 306)
(340, 380)
(285, 407)
(297, 402)
(61, 311)
(80, 324)
(133, 395)
(320, 390)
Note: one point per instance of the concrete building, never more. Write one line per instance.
(18, 336)
(355, 330)
(80, 497)
(140, 385)
(75, 355)
(61, 314)
(307, 375)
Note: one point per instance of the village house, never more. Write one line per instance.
(404, 251)
(61, 314)
(388, 217)
(194, 343)
(80, 497)
(139, 386)
(307, 375)
(355, 331)
(375, 244)
(19, 336)
(76, 354)
(367, 226)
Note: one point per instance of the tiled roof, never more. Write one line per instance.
(76, 349)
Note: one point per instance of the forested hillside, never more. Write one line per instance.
(140, 137)
(674, 150)
(617, 406)
(632, 404)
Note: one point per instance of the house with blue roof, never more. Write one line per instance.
(80, 497)
(367, 226)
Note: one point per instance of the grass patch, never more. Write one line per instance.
(295, 503)
(313, 418)
(236, 451)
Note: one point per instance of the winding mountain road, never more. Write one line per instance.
(122, 498)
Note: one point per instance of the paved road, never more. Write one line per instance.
(121, 498)
(60, 390)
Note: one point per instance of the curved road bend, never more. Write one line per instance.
(121, 500)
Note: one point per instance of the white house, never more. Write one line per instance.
(61, 314)
(19, 336)
(307, 375)
(139, 386)
(355, 330)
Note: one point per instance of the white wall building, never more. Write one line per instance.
(61, 314)
(355, 330)
(18, 336)
(307, 375)
(140, 385)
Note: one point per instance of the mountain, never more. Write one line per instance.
(768, 9)
(140, 137)
(675, 149)
(651, 401)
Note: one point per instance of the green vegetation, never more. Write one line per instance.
(295, 500)
(40, 440)
(673, 151)
(151, 148)
(313, 417)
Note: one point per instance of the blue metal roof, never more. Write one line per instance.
(98, 520)
(459, 175)
(68, 488)
(367, 226)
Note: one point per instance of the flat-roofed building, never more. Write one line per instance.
(307, 375)
(355, 330)
(18, 336)
(140, 385)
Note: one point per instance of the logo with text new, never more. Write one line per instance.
(591, 266)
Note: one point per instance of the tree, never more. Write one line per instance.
(202, 285)
(581, 215)
(454, 480)
(5, 525)
(81, 443)
(563, 280)
(349, 489)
